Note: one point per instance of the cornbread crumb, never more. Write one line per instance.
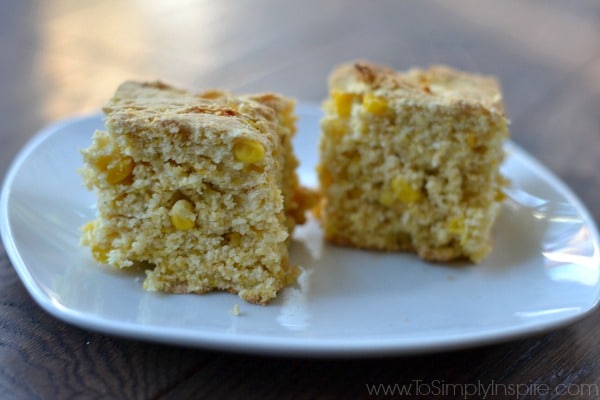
(200, 190)
(410, 161)
(235, 311)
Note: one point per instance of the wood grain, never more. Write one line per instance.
(64, 57)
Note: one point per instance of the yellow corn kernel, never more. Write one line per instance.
(248, 151)
(100, 254)
(374, 104)
(403, 191)
(101, 162)
(343, 103)
(182, 215)
(118, 170)
(456, 225)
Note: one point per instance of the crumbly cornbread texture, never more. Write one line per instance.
(410, 161)
(200, 190)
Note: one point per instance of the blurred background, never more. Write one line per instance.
(66, 57)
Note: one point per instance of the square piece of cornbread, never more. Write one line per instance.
(410, 161)
(199, 190)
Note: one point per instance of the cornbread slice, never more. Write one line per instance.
(200, 190)
(410, 161)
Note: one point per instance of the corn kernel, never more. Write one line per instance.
(374, 104)
(404, 191)
(100, 254)
(182, 215)
(248, 151)
(343, 103)
(118, 170)
(101, 162)
(456, 225)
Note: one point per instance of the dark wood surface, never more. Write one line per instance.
(65, 57)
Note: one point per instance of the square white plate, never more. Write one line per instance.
(544, 271)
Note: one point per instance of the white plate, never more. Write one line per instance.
(543, 272)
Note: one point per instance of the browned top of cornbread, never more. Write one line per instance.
(438, 84)
(138, 104)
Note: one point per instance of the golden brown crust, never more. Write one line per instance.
(136, 105)
(437, 84)
(363, 76)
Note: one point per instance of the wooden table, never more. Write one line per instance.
(65, 57)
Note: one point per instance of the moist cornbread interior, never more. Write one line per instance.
(410, 161)
(200, 190)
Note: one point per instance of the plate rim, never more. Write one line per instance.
(257, 344)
